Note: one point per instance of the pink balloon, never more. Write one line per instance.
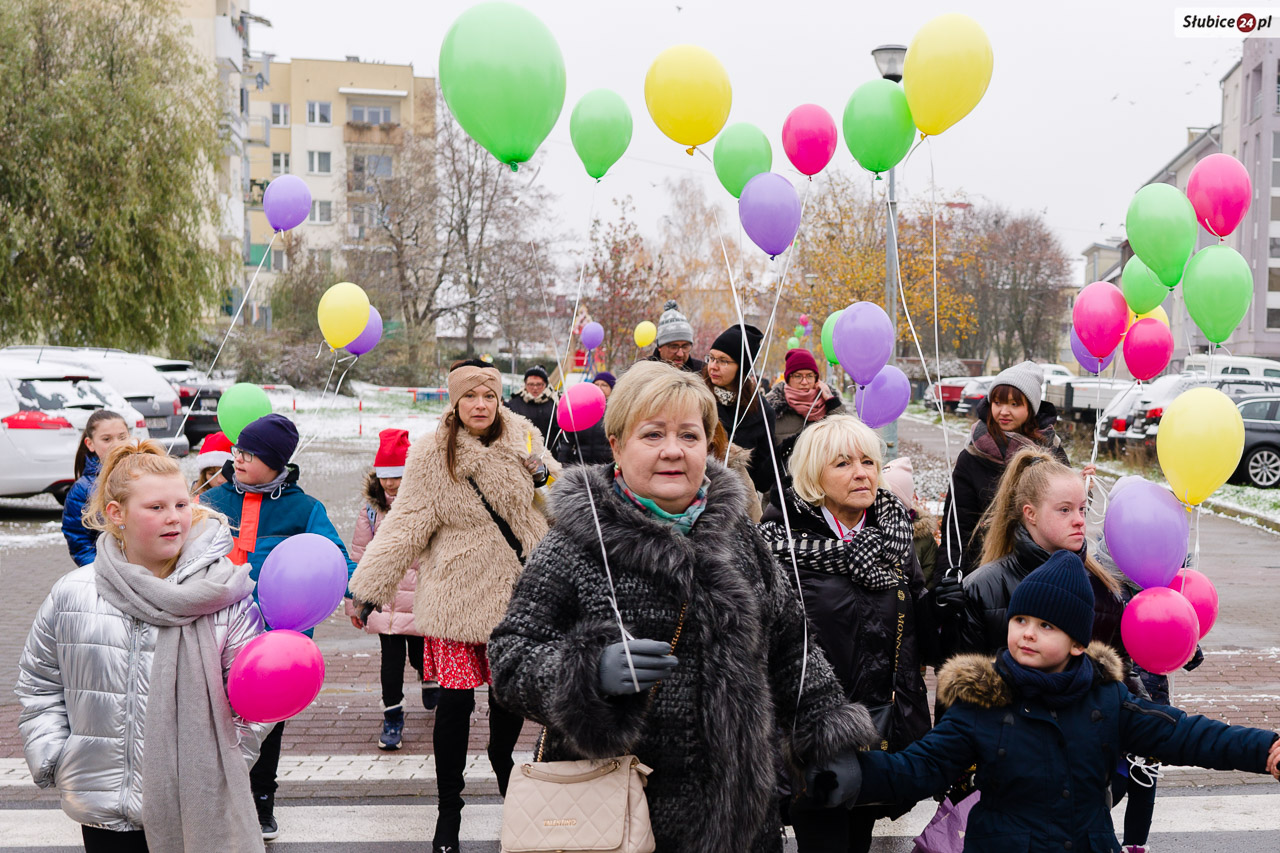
(1219, 189)
(809, 138)
(1099, 316)
(275, 676)
(581, 407)
(1148, 346)
(1160, 629)
(1202, 594)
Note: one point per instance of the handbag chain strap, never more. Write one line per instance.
(675, 641)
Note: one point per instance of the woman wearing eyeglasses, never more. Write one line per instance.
(739, 403)
(800, 400)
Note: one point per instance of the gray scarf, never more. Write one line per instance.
(265, 488)
(189, 725)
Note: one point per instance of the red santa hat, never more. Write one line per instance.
(215, 451)
(393, 448)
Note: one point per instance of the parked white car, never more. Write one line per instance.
(44, 407)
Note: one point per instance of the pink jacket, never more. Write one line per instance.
(396, 617)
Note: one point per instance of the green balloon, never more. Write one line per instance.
(877, 125)
(1161, 224)
(600, 128)
(502, 75)
(793, 342)
(1142, 290)
(828, 329)
(741, 153)
(1217, 287)
(239, 406)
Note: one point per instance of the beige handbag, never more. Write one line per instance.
(591, 806)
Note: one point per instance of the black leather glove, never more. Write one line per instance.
(833, 784)
(652, 660)
(540, 477)
(948, 595)
(365, 608)
(1196, 660)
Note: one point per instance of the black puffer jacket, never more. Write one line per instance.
(593, 442)
(543, 413)
(756, 427)
(857, 626)
(711, 734)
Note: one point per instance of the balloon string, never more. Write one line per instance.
(325, 407)
(577, 301)
(1196, 559)
(208, 371)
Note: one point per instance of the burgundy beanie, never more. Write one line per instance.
(799, 359)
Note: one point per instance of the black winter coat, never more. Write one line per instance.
(1044, 774)
(691, 365)
(542, 414)
(592, 441)
(975, 480)
(711, 735)
(857, 626)
(756, 426)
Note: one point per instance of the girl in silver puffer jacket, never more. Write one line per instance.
(127, 650)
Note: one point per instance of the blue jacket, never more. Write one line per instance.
(283, 513)
(81, 541)
(1044, 774)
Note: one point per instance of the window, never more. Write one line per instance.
(1275, 208)
(1256, 410)
(319, 112)
(1237, 371)
(1271, 372)
(318, 162)
(322, 257)
(366, 169)
(321, 212)
(279, 261)
(279, 115)
(370, 115)
(279, 163)
(1255, 91)
(1275, 247)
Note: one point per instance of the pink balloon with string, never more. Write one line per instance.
(809, 138)
(1220, 189)
(581, 407)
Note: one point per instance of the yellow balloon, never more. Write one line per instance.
(1200, 442)
(1157, 313)
(646, 333)
(688, 94)
(947, 70)
(343, 313)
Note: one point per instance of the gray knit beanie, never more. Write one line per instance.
(1027, 377)
(673, 326)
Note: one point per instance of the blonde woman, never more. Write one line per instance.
(863, 591)
(690, 570)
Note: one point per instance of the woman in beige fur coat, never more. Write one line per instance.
(468, 513)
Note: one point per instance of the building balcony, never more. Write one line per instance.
(229, 44)
(359, 133)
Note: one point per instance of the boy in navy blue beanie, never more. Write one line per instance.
(265, 505)
(1046, 723)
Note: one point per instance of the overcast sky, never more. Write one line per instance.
(1087, 100)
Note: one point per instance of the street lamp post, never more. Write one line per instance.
(889, 60)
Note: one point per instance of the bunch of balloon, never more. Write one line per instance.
(502, 76)
(688, 95)
(863, 338)
(345, 315)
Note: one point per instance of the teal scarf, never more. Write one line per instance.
(682, 522)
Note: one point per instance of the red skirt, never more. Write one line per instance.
(455, 665)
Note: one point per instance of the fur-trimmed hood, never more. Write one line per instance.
(375, 495)
(974, 679)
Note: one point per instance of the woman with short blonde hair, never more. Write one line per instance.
(864, 592)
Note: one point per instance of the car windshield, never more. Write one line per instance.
(51, 394)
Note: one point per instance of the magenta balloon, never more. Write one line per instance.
(368, 339)
(770, 212)
(1099, 317)
(1160, 629)
(1219, 189)
(885, 399)
(809, 138)
(1202, 594)
(287, 202)
(302, 581)
(592, 335)
(863, 340)
(275, 676)
(581, 407)
(1148, 346)
(1088, 360)
(1146, 531)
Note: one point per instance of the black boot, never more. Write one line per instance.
(449, 740)
(266, 804)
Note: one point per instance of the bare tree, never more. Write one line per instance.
(626, 284)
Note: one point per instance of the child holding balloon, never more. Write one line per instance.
(130, 649)
(266, 506)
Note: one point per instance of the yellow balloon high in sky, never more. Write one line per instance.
(688, 94)
(1200, 442)
(947, 70)
(343, 313)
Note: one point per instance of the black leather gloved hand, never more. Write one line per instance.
(365, 608)
(540, 477)
(652, 660)
(1196, 660)
(948, 595)
(834, 783)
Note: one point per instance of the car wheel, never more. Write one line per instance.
(1263, 467)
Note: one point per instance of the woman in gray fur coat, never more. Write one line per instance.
(686, 562)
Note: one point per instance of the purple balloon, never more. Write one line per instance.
(592, 335)
(1088, 360)
(368, 339)
(884, 399)
(287, 202)
(863, 340)
(1146, 531)
(302, 580)
(770, 212)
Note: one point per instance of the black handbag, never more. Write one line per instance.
(882, 715)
